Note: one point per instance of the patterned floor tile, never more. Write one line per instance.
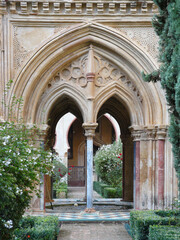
(118, 216)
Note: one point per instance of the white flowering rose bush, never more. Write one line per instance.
(21, 164)
(108, 163)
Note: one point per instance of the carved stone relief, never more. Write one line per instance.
(144, 36)
(26, 39)
(19, 52)
(105, 72)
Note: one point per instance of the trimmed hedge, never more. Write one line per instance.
(119, 192)
(157, 232)
(110, 192)
(141, 220)
(38, 228)
(168, 213)
(102, 187)
(107, 191)
(99, 187)
(96, 186)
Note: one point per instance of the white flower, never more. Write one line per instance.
(19, 191)
(7, 162)
(9, 224)
(28, 150)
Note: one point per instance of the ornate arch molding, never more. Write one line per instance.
(127, 98)
(63, 48)
(54, 97)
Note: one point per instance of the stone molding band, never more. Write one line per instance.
(92, 7)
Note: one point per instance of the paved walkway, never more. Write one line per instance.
(77, 225)
(93, 231)
(79, 193)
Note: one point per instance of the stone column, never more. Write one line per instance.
(89, 133)
(127, 167)
(136, 134)
(161, 135)
(151, 163)
(3, 12)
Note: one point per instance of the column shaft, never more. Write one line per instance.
(89, 172)
(161, 173)
(137, 199)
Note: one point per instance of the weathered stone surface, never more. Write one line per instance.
(45, 47)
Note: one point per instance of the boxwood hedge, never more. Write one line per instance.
(107, 191)
(159, 232)
(141, 220)
(38, 228)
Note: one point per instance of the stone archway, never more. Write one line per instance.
(90, 64)
(115, 107)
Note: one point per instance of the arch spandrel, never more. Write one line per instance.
(64, 48)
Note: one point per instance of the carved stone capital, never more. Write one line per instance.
(136, 132)
(143, 133)
(89, 129)
(150, 132)
(161, 133)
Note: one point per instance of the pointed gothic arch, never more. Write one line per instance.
(38, 83)
(61, 49)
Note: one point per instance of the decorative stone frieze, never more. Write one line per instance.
(66, 7)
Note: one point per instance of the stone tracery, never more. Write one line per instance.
(105, 72)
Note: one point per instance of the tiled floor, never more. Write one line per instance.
(93, 217)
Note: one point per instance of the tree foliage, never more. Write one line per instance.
(108, 163)
(167, 27)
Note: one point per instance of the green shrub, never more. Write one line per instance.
(22, 161)
(102, 186)
(108, 163)
(38, 228)
(99, 187)
(110, 192)
(96, 186)
(141, 220)
(158, 232)
(168, 213)
(119, 191)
